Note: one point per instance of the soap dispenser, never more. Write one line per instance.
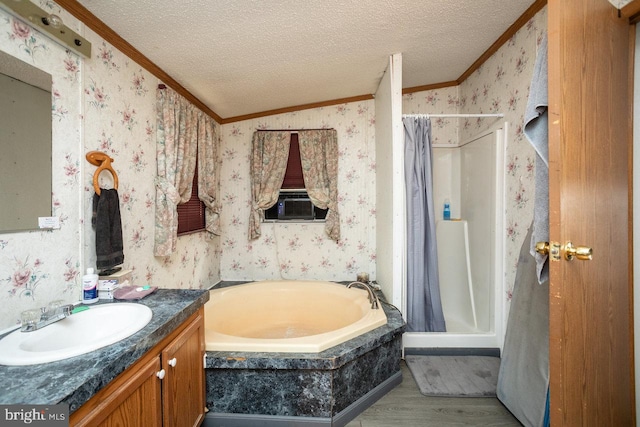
(446, 213)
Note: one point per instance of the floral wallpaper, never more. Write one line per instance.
(299, 250)
(444, 130)
(104, 103)
(107, 103)
(35, 267)
(119, 119)
(500, 85)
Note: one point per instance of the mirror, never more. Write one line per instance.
(25, 145)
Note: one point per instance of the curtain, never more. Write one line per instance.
(176, 147)
(319, 158)
(208, 171)
(424, 308)
(269, 154)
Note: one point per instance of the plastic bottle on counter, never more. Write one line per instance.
(89, 287)
(446, 213)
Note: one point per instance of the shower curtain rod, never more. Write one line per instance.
(454, 115)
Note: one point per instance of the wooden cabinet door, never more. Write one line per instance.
(131, 400)
(183, 392)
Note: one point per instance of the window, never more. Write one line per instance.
(191, 213)
(293, 201)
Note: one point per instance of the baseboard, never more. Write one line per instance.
(452, 351)
(215, 419)
(356, 408)
(250, 420)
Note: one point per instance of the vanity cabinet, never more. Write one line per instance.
(183, 388)
(164, 388)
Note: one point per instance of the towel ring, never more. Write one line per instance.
(103, 162)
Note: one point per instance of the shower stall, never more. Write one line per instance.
(470, 177)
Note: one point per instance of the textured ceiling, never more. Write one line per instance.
(246, 56)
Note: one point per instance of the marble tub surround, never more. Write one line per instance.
(311, 385)
(75, 380)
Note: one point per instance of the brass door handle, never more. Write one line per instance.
(570, 252)
(542, 248)
(581, 252)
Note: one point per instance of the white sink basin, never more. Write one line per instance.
(77, 334)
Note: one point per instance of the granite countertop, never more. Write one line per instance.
(77, 379)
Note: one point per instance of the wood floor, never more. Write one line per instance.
(405, 406)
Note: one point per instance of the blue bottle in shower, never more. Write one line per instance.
(446, 213)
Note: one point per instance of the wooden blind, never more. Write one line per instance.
(293, 176)
(191, 213)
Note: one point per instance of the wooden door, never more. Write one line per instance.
(591, 371)
(183, 391)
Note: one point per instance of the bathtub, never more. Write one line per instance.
(287, 316)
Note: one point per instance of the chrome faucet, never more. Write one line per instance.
(373, 299)
(32, 320)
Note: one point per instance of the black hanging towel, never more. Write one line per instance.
(108, 227)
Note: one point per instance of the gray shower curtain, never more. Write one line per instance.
(424, 308)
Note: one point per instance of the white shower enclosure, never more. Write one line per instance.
(470, 245)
